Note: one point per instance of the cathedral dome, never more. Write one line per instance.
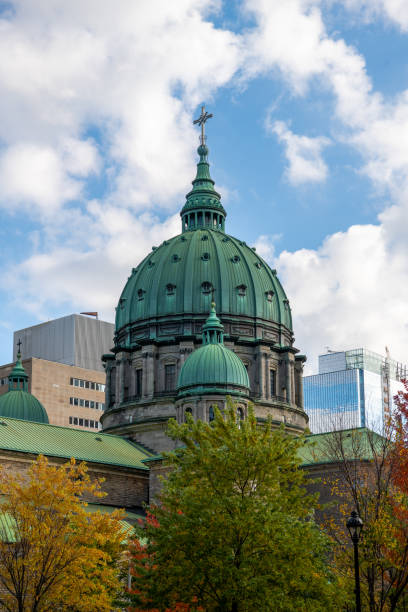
(17, 403)
(177, 279)
(213, 367)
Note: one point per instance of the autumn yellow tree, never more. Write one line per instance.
(54, 554)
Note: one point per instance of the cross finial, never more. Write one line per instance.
(212, 296)
(201, 122)
(19, 343)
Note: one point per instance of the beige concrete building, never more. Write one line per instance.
(72, 396)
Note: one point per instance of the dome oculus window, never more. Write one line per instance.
(206, 287)
(122, 302)
(241, 290)
(141, 294)
(175, 257)
(170, 289)
(286, 304)
(258, 265)
(269, 295)
(235, 259)
(151, 263)
(205, 256)
(205, 237)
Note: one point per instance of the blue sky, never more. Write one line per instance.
(308, 146)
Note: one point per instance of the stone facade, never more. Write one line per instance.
(50, 383)
(138, 405)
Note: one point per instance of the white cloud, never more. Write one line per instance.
(30, 174)
(351, 292)
(89, 273)
(394, 10)
(67, 67)
(304, 155)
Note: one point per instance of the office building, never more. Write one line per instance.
(352, 389)
(63, 361)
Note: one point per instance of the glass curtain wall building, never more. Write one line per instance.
(352, 389)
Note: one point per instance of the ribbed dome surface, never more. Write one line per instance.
(213, 364)
(177, 278)
(18, 404)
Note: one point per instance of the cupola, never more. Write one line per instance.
(18, 403)
(213, 368)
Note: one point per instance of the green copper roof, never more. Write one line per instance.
(212, 365)
(319, 448)
(177, 278)
(19, 404)
(54, 441)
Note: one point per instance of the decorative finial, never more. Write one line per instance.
(201, 122)
(19, 343)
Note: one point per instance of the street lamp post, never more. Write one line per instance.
(354, 525)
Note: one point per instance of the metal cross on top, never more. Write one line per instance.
(201, 122)
(19, 343)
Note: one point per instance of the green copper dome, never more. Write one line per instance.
(177, 279)
(17, 403)
(213, 367)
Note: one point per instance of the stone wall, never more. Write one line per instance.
(125, 487)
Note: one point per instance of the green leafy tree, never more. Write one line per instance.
(233, 530)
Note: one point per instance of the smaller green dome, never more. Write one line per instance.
(213, 368)
(18, 403)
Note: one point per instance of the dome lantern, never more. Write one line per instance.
(203, 208)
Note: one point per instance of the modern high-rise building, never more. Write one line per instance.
(352, 389)
(62, 359)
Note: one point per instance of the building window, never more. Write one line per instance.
(188, 411)
(241, 290)
(170, 377)
(86, 423)
(269, 295)
(70, 420)
(205, 256)
(139, 381)
(272, 382)
(75, 420)
(140, 294)
(81, 422)
(87, 384)
(211, 414)
(170, 289)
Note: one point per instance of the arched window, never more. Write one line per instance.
(269, 295)
(205, 256)
(241, 290)
(170, 289)
(140, 294)
(188, 411)
(211, 414)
